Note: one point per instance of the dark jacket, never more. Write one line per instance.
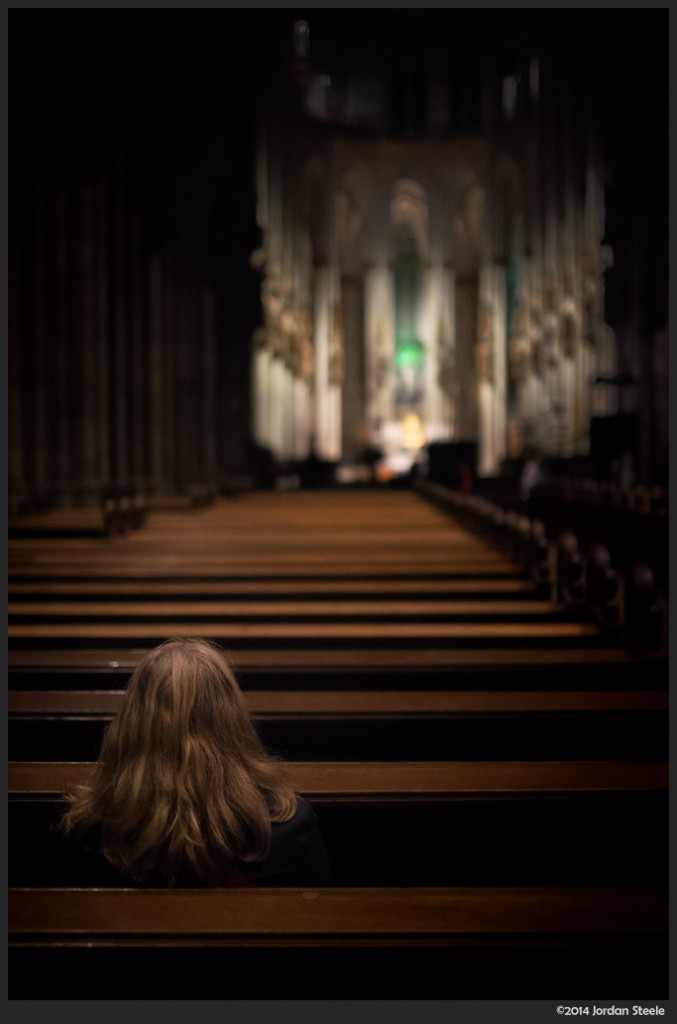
(297, 857)
(297, 853)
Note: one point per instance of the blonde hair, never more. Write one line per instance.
(182, 779)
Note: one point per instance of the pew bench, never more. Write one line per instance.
(238, 634)
(398, 779)
(411, 589)
(337, 943)
(420, 823)
(377, 725)
(367, 667)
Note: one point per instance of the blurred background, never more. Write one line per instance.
(284, 248)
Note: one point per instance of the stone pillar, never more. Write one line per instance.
(41, 382)
(102, 339)
(492, 369)
(88, 472)
(138, 341)
(17, 303)
(170, 333)
(353, 410)
(262, 391)
(327, 393)
(302, 424)
(190, 471)
(157, 391)
(437, 334)
(276, 439)
(380, 347)
(449, 383)
(288, 412)
(62, 343)
(208, 388)
(465, 330)
(120, 300)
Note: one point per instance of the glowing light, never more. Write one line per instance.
(409, 354)
(412, 431)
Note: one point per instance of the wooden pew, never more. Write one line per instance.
(373, 725)
(308, 634)
(316, 610)
(421, 823)
(390, 588)
(372, 667)
(302, 546)
(337, 943)
(572, 584)
(395, 779)
(471, 823)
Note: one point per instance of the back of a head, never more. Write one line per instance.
(183, 780)
(182, 699)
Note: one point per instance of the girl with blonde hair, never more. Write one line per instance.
(184, 792)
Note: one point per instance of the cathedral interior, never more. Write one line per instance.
(354, 235)
(340, 337)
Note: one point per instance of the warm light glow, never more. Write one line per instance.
(412, 432)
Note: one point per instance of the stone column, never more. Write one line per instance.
(138, 341)
(380, 347)
(465, 330)
(88, 474)
(156, 384)
(208, 388)
(353, 410)
(40, 382)
(102, 339)
(169, 411)
(190, 471)
(262, 390)
(326, 442)
(120, 337)
(17, 302)
(491, 369)
(276, 439)
(62, 345)
(437, 334)
(302, 424)
(288, 412)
